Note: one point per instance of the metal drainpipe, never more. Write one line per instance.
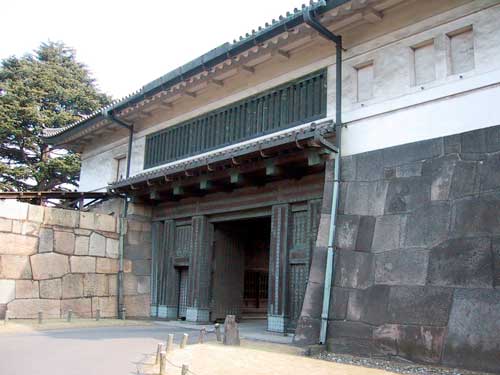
(329, 272)
(121, 231)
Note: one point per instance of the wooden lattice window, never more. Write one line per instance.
(288, 105)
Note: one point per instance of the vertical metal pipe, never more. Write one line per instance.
(329, 271)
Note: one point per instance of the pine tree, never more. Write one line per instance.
(48, 88)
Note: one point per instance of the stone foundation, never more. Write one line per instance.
(417, 270)
(55, 260)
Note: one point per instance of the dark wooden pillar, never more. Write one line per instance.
(198, 309)
(156, 248)
(277, 319)
(170, 287)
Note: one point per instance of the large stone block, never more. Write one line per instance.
(112, 285)
(141, 267)
(82, 264)
(29, 308)
(96, 221)
(25, 228)
(137, 252)
(424, 305)
(15, 267)
(366, 198)
(370, 305)
(353, 269)
(112, 248)
(440, 171)
(51, 288)
(7, 291)
(81, 307)
(46, 240)
(347, 231)
(401, 267)
(417, 343)
(18, 244)
(35, 213)
(465, 180)
(130, 284)
(82, 245)
(60, 217)
(5, 225)
(49, 265)
(95, 285)
(495, 246)
(477, 216)
(463, 262)
(348, 170)
(388, 233)
(26, 289)
(473, 340)
(370, 166)
(143, 284)
(106, 265)
(72, 286)
(339, 299)
(408, 153)
(137, 306)
(407, 194)
(366, 230)
(349, 329)
(107, 305)
(428, 225)
(97, 246)
(64, 242)
(11, 209)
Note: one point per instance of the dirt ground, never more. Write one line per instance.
(253, 359)
(29, 325)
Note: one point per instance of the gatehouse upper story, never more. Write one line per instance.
(403, 61)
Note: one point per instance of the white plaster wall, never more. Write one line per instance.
(398, 113)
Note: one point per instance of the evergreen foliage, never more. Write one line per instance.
(48, 88)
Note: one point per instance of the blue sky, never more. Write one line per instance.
(129, 43)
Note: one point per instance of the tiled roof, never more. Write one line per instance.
(213, 57)
(285, 136)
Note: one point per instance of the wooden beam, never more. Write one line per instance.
(313, 158)
(281, 53)
(247, 69)
(190, 94)
(206, 184)
(154, 195)
(372, 16)
(272, 169)
(178, 190)
(217, 82)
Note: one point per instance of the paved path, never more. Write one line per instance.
(96, 351)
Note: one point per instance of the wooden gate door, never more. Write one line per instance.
(183, 285)
(228, 273)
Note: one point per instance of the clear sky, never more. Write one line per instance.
(128, 43)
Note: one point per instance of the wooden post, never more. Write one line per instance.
(217, 332)
(98, 314)
(185, 369)
(184, 340)
(170, 342)
(40, 317)
(201, 339)
(70, 315)
(159, 350)
(231, 332)
(124, 313)
(6, 317)
(163, 362)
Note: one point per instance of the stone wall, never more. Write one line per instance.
(417, 272)
(54, 260)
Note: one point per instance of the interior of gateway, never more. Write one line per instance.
(240, 269)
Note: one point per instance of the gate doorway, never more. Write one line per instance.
(182, 292)
(241, 269)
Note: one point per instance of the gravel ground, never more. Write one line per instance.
(394, 366)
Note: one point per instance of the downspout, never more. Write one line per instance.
(122, 221)
(329, 272)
